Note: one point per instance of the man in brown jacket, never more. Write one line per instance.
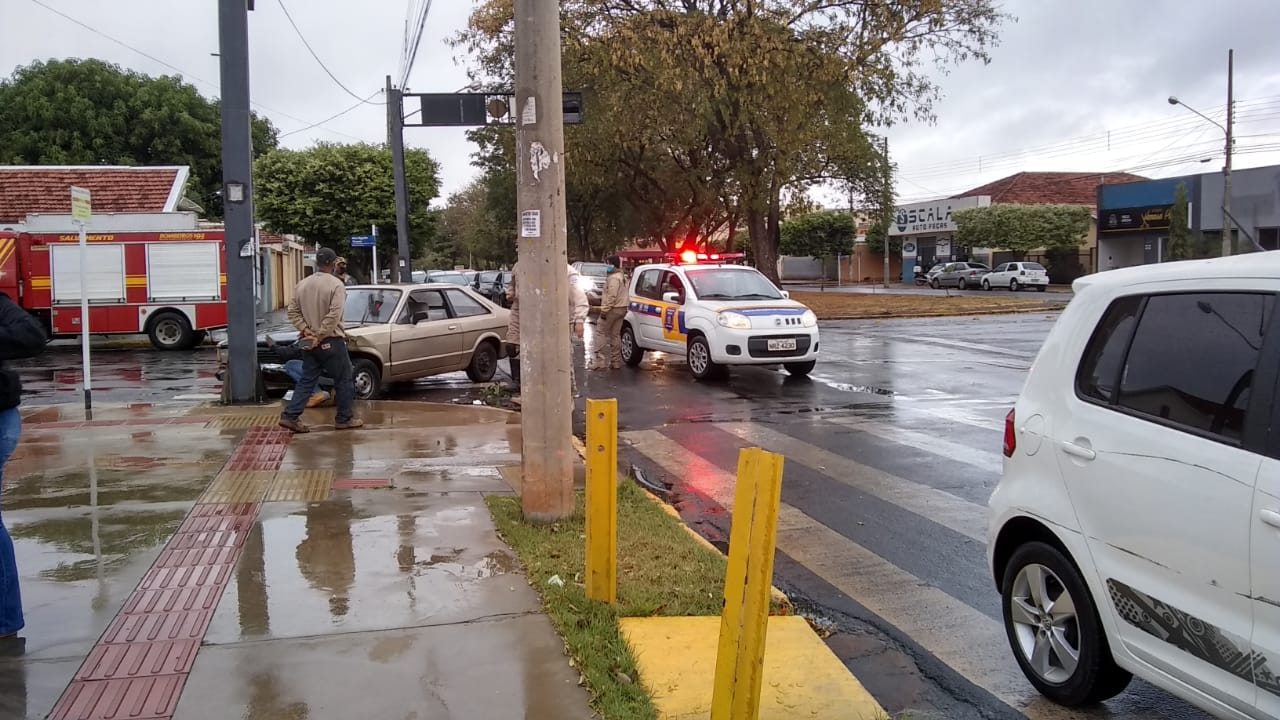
(613, 309)
(316, 311)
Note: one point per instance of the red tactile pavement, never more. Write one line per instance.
(137, 669)
(145, 698)
(361, 483)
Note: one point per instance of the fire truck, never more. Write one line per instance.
(168, 285)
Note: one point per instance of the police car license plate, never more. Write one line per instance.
(782, 344)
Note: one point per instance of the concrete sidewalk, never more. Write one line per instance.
(199, 563)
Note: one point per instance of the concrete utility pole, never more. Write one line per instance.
(237, 201)
(547, 480)
(888, 201)
(1228, 227)
(395, 140)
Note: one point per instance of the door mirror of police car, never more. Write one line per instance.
(786, 295)
(671, 297)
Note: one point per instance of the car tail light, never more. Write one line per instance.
(1010, 439)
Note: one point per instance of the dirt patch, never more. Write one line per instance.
(849, 306)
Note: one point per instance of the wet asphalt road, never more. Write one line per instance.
(895, 412)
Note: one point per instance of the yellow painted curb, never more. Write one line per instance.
(802, 677)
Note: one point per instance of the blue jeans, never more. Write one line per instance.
(10, 598)
(293, 369)
(329, 358)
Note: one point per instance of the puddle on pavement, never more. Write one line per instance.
(367, 562)
(172, 482)
(77, 548)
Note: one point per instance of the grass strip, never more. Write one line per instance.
(661, 571)
(829, 305)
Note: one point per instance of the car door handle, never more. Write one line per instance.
(1270, 517)
(453, 327)
(1079, 451)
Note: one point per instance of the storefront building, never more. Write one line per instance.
(927, 231)
(1134, 219)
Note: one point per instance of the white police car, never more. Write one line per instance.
(717, 315)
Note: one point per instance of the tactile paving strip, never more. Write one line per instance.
(137, 669)
(300, 486)
(238, 487)
(361, 483)
(240, 422)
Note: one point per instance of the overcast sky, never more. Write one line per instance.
(1077, 86)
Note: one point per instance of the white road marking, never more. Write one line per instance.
(924, 441)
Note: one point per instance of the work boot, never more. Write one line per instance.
(351, 424)
(293, 425)
(319, 398)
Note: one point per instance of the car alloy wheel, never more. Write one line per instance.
(1013, 285)
(961, 284)
(699, 358)
(1045, 623)
(986, 285)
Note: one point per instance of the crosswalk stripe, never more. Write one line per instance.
(939, 506)
(924, 441)
(960, 415)
(968, 641)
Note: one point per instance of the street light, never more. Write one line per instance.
(1228, 229)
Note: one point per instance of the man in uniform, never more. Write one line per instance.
(579, 306)
(613, 309)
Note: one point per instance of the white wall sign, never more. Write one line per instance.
(934, 216)
(531, 224)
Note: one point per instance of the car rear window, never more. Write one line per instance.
(1193, 358)
(1033, 266)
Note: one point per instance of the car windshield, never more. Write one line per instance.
(367, 305)
(593, 269)
(455, 278)
(489, 276)
(732, 284)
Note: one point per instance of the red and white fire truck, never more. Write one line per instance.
(168, 285)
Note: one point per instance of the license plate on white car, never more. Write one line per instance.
(782, 344)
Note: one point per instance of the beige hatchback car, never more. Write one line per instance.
(399, 333)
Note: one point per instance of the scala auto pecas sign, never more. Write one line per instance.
(1143, 218)
(935, 216)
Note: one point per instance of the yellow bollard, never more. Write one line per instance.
(747, 584)
(602, 500)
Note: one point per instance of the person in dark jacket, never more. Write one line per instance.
(20, 337)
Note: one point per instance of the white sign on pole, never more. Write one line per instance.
(82, 213)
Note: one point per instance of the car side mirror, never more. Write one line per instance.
(421, 316)
(671, 297)
(785, 295)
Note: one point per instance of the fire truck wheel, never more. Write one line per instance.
(171, 331)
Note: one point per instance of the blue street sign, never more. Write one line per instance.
(362, 241)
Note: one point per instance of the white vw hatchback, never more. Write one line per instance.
(1136, 530)
(717, 315)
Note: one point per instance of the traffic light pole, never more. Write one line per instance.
(237, 201)
(543, 278)
(395, 141)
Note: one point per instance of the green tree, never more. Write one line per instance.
(1180, 246)
(89, 112)
(820, 235)
(331, 191)
(473, 232)
(718, 109)
(878, 234)
(1021, 228)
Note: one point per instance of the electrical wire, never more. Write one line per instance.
(328, 119)
(419, 24)
(177, 69)
(320, 62)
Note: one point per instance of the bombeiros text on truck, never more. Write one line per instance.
(168, 285)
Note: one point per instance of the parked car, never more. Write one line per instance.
(493, 284)
(961, 275)
(452, 277)
(403, 333)
(1017, 275)
(591, 277)
(1136, 529)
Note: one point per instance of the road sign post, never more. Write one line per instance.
(82, 213)
(365, 241)
(374, 278)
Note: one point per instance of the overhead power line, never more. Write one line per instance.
(316, 57)
(331, 118)
(180, 71)
(415, 28)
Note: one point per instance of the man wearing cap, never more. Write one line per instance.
(613, 309)
(316, 312)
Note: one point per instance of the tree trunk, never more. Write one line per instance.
(763, 250)
(730, 244)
